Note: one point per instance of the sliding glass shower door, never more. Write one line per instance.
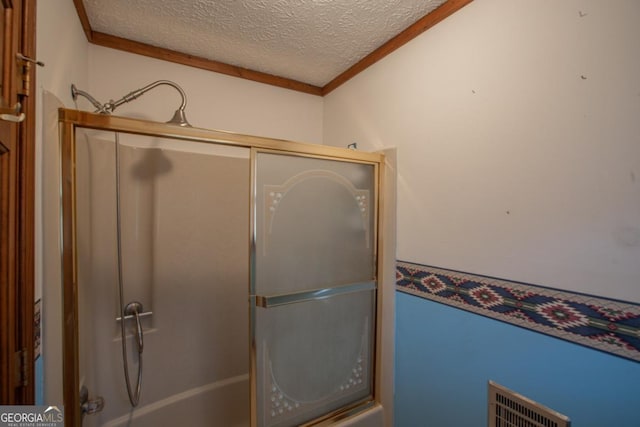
(185, 201)
(313, 286)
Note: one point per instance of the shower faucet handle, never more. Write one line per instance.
(90, 406)
(133, 308)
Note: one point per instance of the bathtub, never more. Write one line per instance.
(223, 403)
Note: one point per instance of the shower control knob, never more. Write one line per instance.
(92, 406)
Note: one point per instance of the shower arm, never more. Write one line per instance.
(112, 105)
(75, 92)
(178, 118)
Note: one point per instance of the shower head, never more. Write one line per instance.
(179, 118)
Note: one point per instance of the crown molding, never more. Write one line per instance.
(411, 32)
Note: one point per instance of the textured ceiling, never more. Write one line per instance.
(310, 41)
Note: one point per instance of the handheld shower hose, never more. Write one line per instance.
(133, 308)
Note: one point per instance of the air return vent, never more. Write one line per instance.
(509, 409)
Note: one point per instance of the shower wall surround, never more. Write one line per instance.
(600, 323)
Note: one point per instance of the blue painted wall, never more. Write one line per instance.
(445, 356)
(39, 381)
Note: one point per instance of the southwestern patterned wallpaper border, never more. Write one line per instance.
(600, 323)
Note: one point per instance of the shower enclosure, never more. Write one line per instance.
(249, 268)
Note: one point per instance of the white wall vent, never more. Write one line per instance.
(509, 409)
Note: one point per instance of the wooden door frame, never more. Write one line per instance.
(18, 204)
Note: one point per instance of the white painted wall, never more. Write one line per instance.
(518, 132)
(215, 101)
(62, 46)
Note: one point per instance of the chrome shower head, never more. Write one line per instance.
(178, 118)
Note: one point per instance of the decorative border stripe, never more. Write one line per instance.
(37, 328)
(596, 322)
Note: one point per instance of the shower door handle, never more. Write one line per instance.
(315, 294)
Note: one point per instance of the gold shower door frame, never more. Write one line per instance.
(69, 120)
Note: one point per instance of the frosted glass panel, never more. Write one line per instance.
(314, 286)
(314, 357)
(314, 223)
